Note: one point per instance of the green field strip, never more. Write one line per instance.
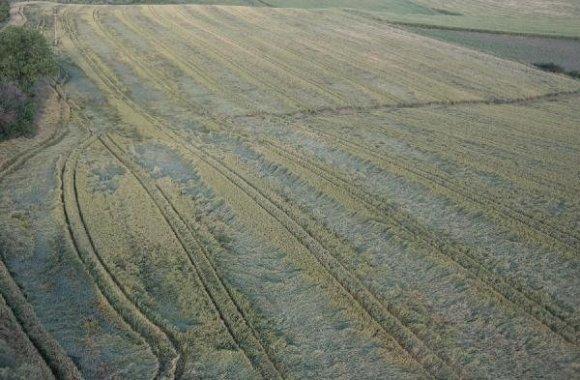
(481, 67)
(423, 48)
(547, 314)
(160, 341)
(54, 356)
(534, 26)
(230, 313)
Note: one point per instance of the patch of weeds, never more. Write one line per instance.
(108, 178)
(553, 68)
(446, 12)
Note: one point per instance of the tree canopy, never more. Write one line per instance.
(25, 55)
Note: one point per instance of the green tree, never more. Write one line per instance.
(25, 55)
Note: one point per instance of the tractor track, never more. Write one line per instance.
(18, 160)
(402, 335)
(270, 206)
(60, 364)
(49, 349)
(160, 341)
(277, 64)
(264, 364)
(228, 62)
(234, 319)
(548, 315)
(516, 295)
(560, 236)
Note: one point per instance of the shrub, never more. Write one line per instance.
(4, 10)
(24, 57)
(16, 111)
(551, 67)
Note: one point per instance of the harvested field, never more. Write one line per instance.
(254, 192)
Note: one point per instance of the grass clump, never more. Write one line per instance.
(25, 57)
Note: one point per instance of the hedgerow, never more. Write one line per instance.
(25, 57)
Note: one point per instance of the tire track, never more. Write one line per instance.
(548, 315)
(351, 110)
(230, 312)
(49, 349)
(372, 92)
(276, 64)
(393, 323)
(231, 64)
(244, 338)
(513, 293)
(557, 235)
(61, 366)
(18, 160)
(162, 342)
(372, 310)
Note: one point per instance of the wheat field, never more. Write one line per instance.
(254, 192)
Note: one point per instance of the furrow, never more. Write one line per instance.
(369, 305)
(188, 67)
(272, 62)
(349, 110)
(351, 285)
(374, 310)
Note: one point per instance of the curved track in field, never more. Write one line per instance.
(547, 314)
(61, 366)
(160, 341)
(19, 159)
(230, 312)
(372, 310)
(48, 348)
